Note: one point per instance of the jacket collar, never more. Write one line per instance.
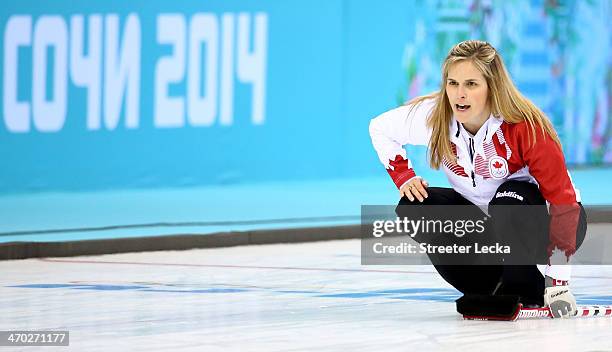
(491, 125)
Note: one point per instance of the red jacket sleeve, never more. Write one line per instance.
(547, 165)
(400, 171)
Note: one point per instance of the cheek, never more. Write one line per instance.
(482, 97)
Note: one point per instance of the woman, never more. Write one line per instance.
(497, 149)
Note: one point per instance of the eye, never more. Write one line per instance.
(471, 84)
(452, 83)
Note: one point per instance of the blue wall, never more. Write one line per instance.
(301, 112)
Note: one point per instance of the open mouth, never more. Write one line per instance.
(462, 107)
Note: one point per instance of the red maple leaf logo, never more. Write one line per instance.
(497, 165)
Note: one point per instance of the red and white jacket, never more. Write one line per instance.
(499, 152)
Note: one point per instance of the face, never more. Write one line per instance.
(467, 92)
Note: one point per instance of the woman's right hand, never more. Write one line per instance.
(415, 188)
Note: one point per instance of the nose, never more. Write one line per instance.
(461, 92)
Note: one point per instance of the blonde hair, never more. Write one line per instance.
(504, 99)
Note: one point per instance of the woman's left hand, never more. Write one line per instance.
(415, 188)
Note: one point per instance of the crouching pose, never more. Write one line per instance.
(501, 154)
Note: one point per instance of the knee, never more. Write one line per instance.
(405, 201)
(405, 206)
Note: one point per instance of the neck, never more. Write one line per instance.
(472, 127)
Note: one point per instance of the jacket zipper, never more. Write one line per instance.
(472, 151)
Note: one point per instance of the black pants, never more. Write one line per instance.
(526, 234)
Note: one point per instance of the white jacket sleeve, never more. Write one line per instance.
(393, 129)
